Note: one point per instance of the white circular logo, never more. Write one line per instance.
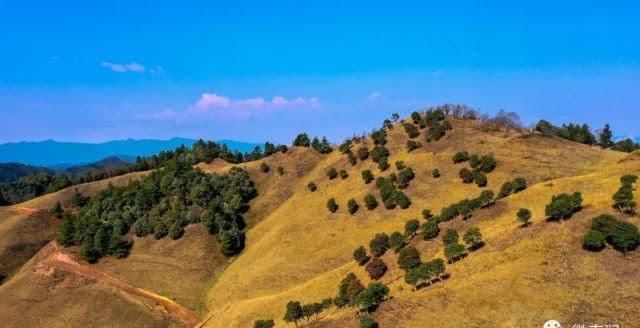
(552, 324)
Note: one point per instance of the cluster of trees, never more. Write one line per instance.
(411, 129)
(380, 155)
(161, 204)
(296, 311)
(582, 133)
(563, 206)
(512, 187)
(322, 146)
(413, 145)
(623, 198)
(435, 120)
(391, 196)
(465, 207)
(622, 236)
(480, 165)
(352, 292)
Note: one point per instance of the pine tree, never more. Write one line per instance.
(605, 138)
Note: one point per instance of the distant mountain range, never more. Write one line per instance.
(63, 155)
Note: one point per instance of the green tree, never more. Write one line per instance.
(411, 130)
(343, 174)
(413, 145)
(160, 230)
(367, 176)
(379, 152)
(264, 167)
(383, 164)
(453, 251)
(401, 199)
(176, 231)
(308, 310)
(430, 229)
(376, 268)
(332, 173)
(280, 170)
(411, 227)
(352, 206)
(367, 321)
(480, 179)
(363, 153)
(360, 255)
(302, 140)
(67, 231)
(628, 179)
(263, 323)
(353, 160)
(450, 236)
(473, 238)
(624, 200)
(435, 173)
(379, 244)
(293, 312)
(426, 214)
(57, 210)
(312, 186)
(625, 237)
(605, 138)
(332, 205)
(461, 156)
(466, 175)
(371, 297)
(397, 240)
(409, 258)
(563, 206)
(524, 215)
(370, 202)
(349, 289)
(593, 241)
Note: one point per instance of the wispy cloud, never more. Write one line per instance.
(123, 68)
(212, 102)
(374, 96)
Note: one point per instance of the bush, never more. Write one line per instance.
(628, 179)
(461, 156)
(450, 236)
(378, 153)
(371, 297)
(404, 177)
(409, 258)
(263, 324)
(487, 163)
(343, 174)
(376, 268)
(379, 244)
(397, 241)
(352, 159)
(367, 176)
(430, 229)
(426, 214)
(302, 140)
(593, 241)
(312, 186)
(486, 198)
(160, 230)
(480, 179)
(623, 198)
(518, 185)
(413, 145)
(453, 251)
(142, 227)
(435, 173)
(383, 164)
(389, 203)
(293, 312)
(604, 223)
(264, 167)
(367, 321)
(332, 173)
(401, 199)
(280, 170)
(411, 227)
(350, 288)
(625, 237)
(473, 238)
(411, 130)
(466, 175)
(370, 202)
(360, 255)
(563, 206)
(176, 231)
(352, 206)
(345, 147)
(400, 165)
(332, 205)
(506, 189)
(363, 153)
(524, 215)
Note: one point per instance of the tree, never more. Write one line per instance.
(466, 175)
(263, 323)
(623, 199)
(409, 258)
(593, 241)
(413, 145)
(352, 206)
(264, 167)
(435, 173)
(378, 152)
(57, 210)
(415, 116)
(473, 238)
(625, 237)
(404, 177)
(376, 268)
(332, 173)
(487, 163)
(480, 179)
(160, 230)
(487, 197)
(604, 223)
(280, 170)
(293, 312)
(450, 237)
(308, 310)
(401, 199)
(563, 206)
(312, 186)
(411, 130)
(176, 231)
(605, 138)
(453, 251)
(395, 117)
(411, 227)
(506, 189)
(67, 231)
(628, 179)
(88, 251)
(379, 244)
(269, 149)
(371, 297)
(343, 174)
(430, 229)
(231, 241)
(349, 289)
(519, 184)
(367, 176)
(461, 156)
(383, 164)
(367, 321)
(332, 205)
(370, 202)
(524, 215)
(426, 214)
(360, 255)
(353, 160)
(396, 241)
(302, 140)
(363, 153)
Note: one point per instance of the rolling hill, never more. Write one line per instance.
(297, 250)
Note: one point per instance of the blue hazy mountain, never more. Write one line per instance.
(62, 155)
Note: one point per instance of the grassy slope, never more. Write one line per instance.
(301, 251)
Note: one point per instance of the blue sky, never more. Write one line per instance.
(255, 71)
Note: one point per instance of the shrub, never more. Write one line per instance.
(352, 159)
(411, 130)
(367, 176)
(411, 227)
(350, 288)
(397, 241)
(302, 140)
(379, 244)
(426, 214)
(623, 199)
(370, 202)
(401, 199)
(57, 210)
(332, 205)
(430, 229)
(480, 179)
(409, 258)
(363, 153)
(160, 230)
(461, 156)
(506, 189)
(436, 132)
(379, 137)
(518, 185)
(450, 236)
(413, 145)
(176, 231)
(360, 255)
(625, 237)
(280, 170)
(466, 175)
(453, 251)
(389, 203)
(345, 147)
(524, 215)
(312, 186)
(293, 312)
(593, 241)
(264, 167)
(352, 206)
(332, 173)
(367, 321)
(486, 198)
(383, 165)
(142, 227)
(474, 161)
(376, 268)
(263, 324)
(487, 163)
(400, 165)
(628, 179)
(404, 177)
(415, 116)
(371, 297)
(343, 174)
(473, 238)
(435, 173)
(563, 206)
(604, 223)
(378, 153)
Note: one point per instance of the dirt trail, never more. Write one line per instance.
(156, 303)
(24, 209)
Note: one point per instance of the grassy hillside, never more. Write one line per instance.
(301, 251)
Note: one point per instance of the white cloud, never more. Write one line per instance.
(374, 96)
(123, 68)
(210, 102)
